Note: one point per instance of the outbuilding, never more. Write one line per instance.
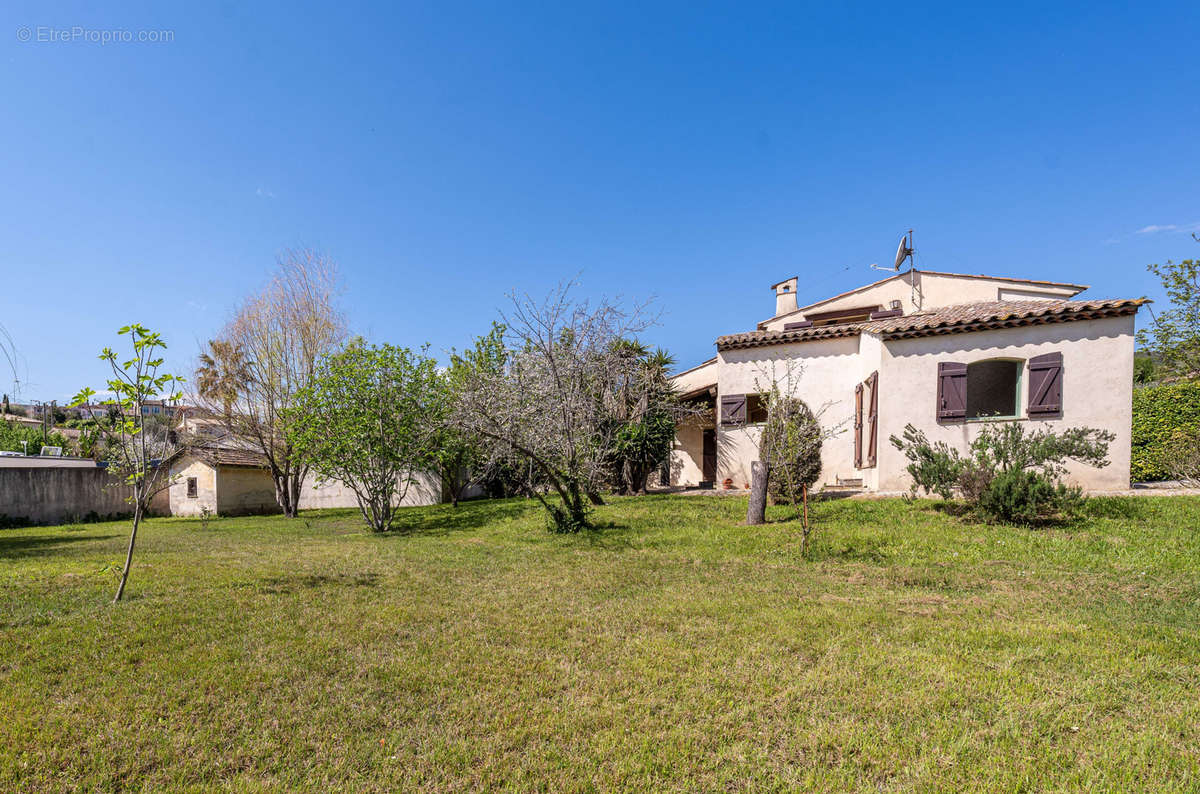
(231, 481)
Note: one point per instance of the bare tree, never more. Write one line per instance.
(268, 352)
(548, 403)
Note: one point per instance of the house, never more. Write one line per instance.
(230, 479)
(88, 411)
(946, 352)
(156, 408)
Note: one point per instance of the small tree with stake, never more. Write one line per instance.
(139, 444)
(791, 448)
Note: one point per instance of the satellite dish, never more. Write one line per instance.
(903, 251)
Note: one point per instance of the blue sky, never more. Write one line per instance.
(446, 153)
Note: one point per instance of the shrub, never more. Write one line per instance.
(12, 434)
(1026, 496)
(1011, 474)
(791, 444)
(934, 467)
(1180, 456)
(1162, 414)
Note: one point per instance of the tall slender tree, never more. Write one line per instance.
(266, 354)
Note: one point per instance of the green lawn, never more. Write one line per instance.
(672, 649)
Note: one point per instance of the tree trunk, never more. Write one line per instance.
(757, 512)
(595, 498)
(806, 529)
(137, 519)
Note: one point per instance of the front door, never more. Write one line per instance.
(710, 456)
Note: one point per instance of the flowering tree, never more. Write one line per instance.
(548, 403)
(139, 442)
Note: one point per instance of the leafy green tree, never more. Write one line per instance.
(1145, 372)
(1174, 336)
(370, 417)
(138, 445)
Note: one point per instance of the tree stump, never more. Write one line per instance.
(757, 513)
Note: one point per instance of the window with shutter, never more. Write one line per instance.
(1046, 385)
(873, 419)
(858, 425)
(952, 390)
(733, 409)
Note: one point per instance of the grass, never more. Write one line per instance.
(670, 650)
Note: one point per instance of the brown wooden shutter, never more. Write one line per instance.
(858, 423)
(952, 390)
(733, 409)
(1045, 384)
(873, 419)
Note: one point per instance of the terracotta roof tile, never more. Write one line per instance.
(230, 456)
(959, 318)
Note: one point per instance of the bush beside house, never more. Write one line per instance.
(1160, 412)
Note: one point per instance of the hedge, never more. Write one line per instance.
(1158, 411)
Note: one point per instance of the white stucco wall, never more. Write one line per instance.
(1097, 389)
(687, 454)
(206, 487)
(317, 493)
(698, 377)
(243, 490)
(1097, 392)
(824, 375)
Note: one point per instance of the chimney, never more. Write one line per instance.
(785, 296)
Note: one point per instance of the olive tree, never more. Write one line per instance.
(369, 417)
(138, 443)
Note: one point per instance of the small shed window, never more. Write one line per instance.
(192, 489)
(993, 387)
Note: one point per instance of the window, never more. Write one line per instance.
(743, 409)
(756, 409)
(192, 491)
(993, 387)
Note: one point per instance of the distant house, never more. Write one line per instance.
(92, 411)
(155, 408)
(945, 352)
(233, 480)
